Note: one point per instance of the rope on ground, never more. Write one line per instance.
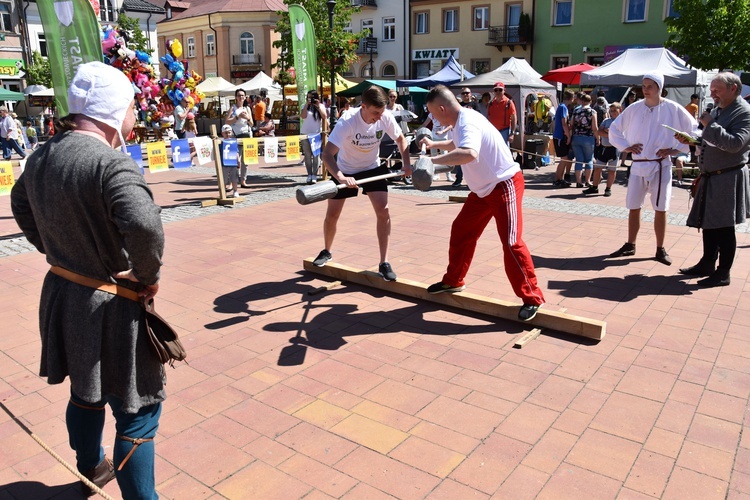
(57, 457)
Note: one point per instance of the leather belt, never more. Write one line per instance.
(104, 286)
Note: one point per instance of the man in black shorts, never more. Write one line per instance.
(352, 154)
(561, 139)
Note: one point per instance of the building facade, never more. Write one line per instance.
(383, 51)
(575, 31)
(481, 35)
(232, 39)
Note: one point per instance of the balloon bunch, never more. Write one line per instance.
(156, 98)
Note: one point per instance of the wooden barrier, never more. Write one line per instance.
(554, 320)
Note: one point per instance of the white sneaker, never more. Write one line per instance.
(449, 177)
(436, 177)
(235, 195)
(313, 179)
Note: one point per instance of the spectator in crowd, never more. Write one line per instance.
(606, 155)
(10, 134)
(32, 136)
(583, 127)
(314, 119)
(501, 112)
(240, 118)
(266, 127)
(561, 137)
(259, 109)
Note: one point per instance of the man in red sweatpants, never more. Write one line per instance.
(497, 186)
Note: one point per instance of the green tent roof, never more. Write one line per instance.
(9, 95)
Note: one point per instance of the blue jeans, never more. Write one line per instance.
(12, 143)
(85, 423)
(583, 148)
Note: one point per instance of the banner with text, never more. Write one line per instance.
(250, 151)
(316, 143)
(229, 153)
(6, 178)
(271, 146)
(73, 34)
(157, 157)
(181, 157)
(303, 47)
(203, 149)
(134, 151)
(292, 148)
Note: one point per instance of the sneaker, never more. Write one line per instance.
(313, 179)
(449, 177)
(441, 287)
(626, 250)
(579, 185)
(407, 181)
(386, 271)
(528, 311)
(663, 257)
(607, 192)
(435, 178)
(323, 257)
(591, 190)
(235, 195)
(99, 475)
(456, 183)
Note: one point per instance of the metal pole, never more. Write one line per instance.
(331, 6)
(371, 67)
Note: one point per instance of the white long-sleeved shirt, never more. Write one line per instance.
(639, 124)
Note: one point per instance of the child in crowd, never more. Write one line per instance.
(31, 135)
(231, 174)
(191, 129)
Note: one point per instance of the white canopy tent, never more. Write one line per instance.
(628, 69)
(519, 65)
(213, 85)
(254, 86)
(519, 83)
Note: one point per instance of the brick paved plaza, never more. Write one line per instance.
(356, 393)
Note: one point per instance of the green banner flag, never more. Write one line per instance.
(72, 31)
(305, 55)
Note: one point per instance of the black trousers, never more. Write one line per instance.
(721, 243)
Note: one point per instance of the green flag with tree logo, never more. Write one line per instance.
(305, 55)
(72, 30)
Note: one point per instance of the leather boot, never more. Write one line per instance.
(700, 269)
(99, 475)
(719, 277)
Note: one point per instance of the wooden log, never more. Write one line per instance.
(554, 320)
(457, 198)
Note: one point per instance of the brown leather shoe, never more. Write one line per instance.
(99, 475)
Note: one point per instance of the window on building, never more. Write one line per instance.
(450, 20)
(169, 12)
(190, 46)
(247, 43)
(595, 60)
(669, 9)
(635, 11)
(421, 23)
(42, 39)
(560, 62)
(106, 12)
(210, 45)
(481, 18)
(348, 73)
(389, 29)
(422, 69)
(389, 70)
(365, 71)
(5, 17)
(348, 27)
(366, 24)
(479, 66)
(563, 15)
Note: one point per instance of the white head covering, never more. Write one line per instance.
(657, 77)
(101, 93)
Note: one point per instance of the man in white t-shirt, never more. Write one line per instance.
(497, 186)
(351, 155)
(638, 130)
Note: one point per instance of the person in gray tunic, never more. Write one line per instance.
(723, 195)
(87, 208)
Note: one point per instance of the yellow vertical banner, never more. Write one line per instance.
(6, 178)
(157, 157)
(292, 148)
(250, 151)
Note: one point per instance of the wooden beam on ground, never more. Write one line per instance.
(324, 288)
(528, 337)
(554, 320)
(458, 198)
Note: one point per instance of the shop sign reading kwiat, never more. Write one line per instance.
(429, 54)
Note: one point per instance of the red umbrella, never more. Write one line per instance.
(569, 75)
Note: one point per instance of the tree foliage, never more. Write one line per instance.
(39, 72)
(136, 39)
(711, 34)
(334, 46)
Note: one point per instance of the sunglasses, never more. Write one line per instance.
(392, 96)
(466, 93)
(499, 90)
